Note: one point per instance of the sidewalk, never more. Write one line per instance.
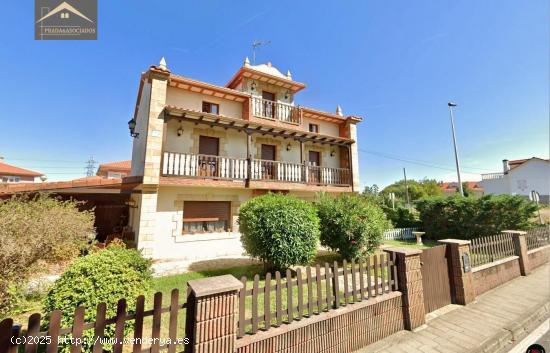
(490, 324)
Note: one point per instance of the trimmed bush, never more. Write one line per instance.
(351, 225)
(37, 229)
(468, 217)
(104, 276)
(280, 230)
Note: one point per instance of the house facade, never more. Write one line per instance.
(114, 170)
(202, 150)
(12, 174)
(520, 177)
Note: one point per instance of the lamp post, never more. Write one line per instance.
(451, 105)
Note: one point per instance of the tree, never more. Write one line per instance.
(417, 190)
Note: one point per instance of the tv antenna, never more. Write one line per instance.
(255, 45)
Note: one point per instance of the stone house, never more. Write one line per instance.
(201, 150)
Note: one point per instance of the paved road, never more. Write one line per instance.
(489, 324)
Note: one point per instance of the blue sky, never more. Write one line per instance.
(394, 63)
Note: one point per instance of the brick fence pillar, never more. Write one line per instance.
(409, 279)
(520, 245)
(460, 271)
(211, 321)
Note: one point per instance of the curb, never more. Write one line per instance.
(512, 333)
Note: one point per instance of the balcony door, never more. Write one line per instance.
(269, 152)
(268, 104)
(209, 148)
(314, 164)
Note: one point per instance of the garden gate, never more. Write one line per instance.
(435, 278)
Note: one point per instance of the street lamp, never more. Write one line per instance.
(451, 105)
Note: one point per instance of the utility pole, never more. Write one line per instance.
(407, 188)
(90, 166)
(451, 105)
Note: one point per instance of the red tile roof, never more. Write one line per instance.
(453, 185)
(517, 162)
(120, 166)
(6, 169)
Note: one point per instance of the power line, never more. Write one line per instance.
(419, 162)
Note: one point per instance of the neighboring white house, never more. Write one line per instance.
(520, 177)
(201, 150)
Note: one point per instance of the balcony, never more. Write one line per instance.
(275, 111)
(225, 168)
(492, 176)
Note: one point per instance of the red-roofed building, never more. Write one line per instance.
(13, 174)
(452, 187)
(520, 177)
(114, 170)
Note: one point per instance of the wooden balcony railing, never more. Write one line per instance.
(275, 110)
(216, 167)
(204, 166)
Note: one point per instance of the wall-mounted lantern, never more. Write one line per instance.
(180, 130)
(332, 152)
(287, 94)
(288, 147)
(132, 128)
(253, 86)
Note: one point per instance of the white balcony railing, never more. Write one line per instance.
(200, 165)
(492, 176)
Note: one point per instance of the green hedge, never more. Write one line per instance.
(281, 230)
(468, 217)
(351, 225)
(104, 276)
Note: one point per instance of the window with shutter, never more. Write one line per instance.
(206, 216)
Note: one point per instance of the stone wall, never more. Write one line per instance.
(341, 330)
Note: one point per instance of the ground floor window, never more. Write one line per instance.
(206, 216)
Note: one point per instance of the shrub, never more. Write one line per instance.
(468, 217)
(351, 225)
(34, 229)
(281, 230)
(104, 276)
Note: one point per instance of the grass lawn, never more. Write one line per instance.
(410, 244)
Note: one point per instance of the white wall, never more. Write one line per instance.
(139, 143)
(531, 175)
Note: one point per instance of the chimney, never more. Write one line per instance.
(505, 166)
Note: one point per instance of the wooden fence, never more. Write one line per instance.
(538, 237)
(282, 300)
(491, 248)
(35, 340)
(399, 234)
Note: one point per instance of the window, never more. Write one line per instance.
(212, 108)
(206, 216)
(314, 128)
